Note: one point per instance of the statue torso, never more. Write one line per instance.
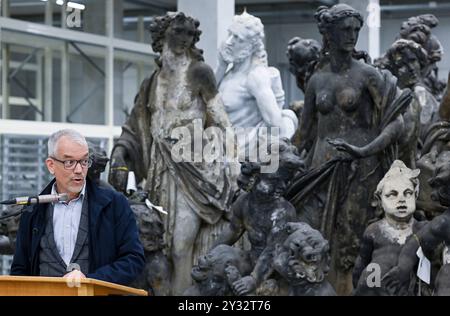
(344, 110)
(175, 103)
(240, 105)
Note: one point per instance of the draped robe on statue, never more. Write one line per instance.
(205, 188)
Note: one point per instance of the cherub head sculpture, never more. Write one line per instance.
(218, 269)
(304, 256)
(397, 192)
(245, 40)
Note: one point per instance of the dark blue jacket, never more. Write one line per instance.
(115, 252)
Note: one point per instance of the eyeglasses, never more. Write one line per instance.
(72, 164)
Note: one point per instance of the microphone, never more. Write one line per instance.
(39, 199)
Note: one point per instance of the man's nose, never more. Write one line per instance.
(78, 168)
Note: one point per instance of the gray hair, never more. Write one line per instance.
(69, 133)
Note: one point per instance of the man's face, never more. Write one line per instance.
(69, 181)
(398, 199)
(180, 36)
(236, 47)
(344, 34)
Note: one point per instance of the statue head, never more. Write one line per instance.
(151, 227)
(416, 30)
(339, 26)
(397, 192)
(304, 256)
(303, 54)
(248, 175)
(214, 269)
(245, 40)
(99, 160)
(178, 33)
(406, 59)
(440, 184)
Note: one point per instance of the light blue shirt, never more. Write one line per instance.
(66, 221)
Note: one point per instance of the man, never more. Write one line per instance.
(94, 231)
(251, 91)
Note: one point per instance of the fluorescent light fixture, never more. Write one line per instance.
(76, 5)
(59, 2)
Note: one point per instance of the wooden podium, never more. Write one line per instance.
(50, 286)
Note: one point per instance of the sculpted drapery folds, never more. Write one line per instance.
(180, 92)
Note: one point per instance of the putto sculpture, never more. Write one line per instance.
(382, 242)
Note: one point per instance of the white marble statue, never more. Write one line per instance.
(251, 91)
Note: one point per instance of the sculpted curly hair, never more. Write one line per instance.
(403, 44)
(159, 26)
(326, 20)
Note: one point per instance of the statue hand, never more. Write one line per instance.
(232, 274)
(394, 281)
(342, 145)
(118, 175)
(244, 285)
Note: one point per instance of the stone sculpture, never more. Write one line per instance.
(262, 212)
(418, 29)
(396, 195)
(251, 91)
(217, 270)
(157, 272)
(351, 123)
(303, 261)
(178, 97)
(433, 234)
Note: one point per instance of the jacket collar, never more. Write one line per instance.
(98, 198)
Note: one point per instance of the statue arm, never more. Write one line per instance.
(364, 258)
(384, 139)
(263, 267)
(308, 123)
(260, 86)
(127, 153)
(203, 82)
(376, 86)
(233, 231)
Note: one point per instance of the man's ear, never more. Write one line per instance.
(50, 165)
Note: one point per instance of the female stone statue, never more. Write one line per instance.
(350, 125)
(181, 92)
